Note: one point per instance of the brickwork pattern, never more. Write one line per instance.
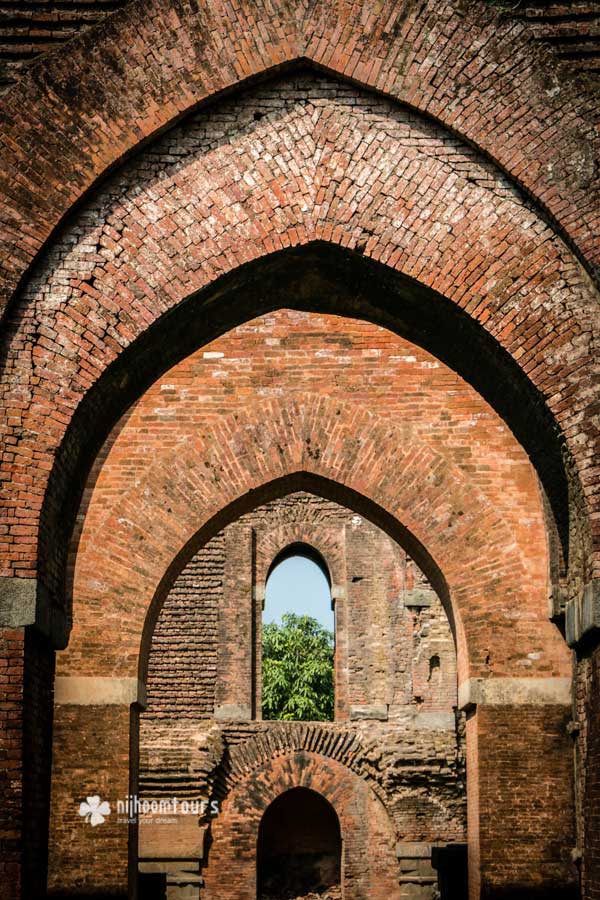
(12, 645)
(128, 521)
(587, 742)
(469, 198)
(91, 757)
(417, 773)
(182, 667)
(38, 684)
(369, 865)
(27, 31)
(427, 56)
(145, 519)
(539, 794)
(153, 62)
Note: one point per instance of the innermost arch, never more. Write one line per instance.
(298, 585)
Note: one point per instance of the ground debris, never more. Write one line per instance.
(331, 893)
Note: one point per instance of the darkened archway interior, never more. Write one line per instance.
(299, 846)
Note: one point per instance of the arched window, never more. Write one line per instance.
(299, 848)
(298, 638)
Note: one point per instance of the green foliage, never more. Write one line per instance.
(297, 670)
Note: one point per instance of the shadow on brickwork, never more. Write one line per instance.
(532, 893)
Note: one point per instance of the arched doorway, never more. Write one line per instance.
(299, 849)
(298, 638)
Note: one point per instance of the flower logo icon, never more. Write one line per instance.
(94, 810)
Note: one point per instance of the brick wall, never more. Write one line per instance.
(457, 467)
(586, 736)
(450, 445)
(413, 649)
(12, 647)
(417, 772)
(182, 664)
(540, 785)
(57, 345)
(26, 711)
(100, 257)
(38, 697)
(369, 863)
(90, 757)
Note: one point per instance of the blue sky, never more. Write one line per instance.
(298, 585)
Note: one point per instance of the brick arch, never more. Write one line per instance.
(310, 441)
(322, 739)
(194, 487)
(369, 863)
(339, 282)
(89, 107)
(533, 307)
(279, 539)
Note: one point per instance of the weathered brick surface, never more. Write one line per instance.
(26, 683)
(369, 863)
(524, 753)
(427, 56)
(38, 703)
(250, 430)
(571, 30)
(238, 622)
(393, 654)
(12, 647)
(182, 665)
(272, 411)
(151, 239)
(586, 736)
(325, 163)
(91, 757)
(30, 29)
(416, 771)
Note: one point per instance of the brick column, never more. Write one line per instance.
(94, 755)
(236, 666)
(12, 653)
(366, 634)
(519, 789)
(30, 629)
(342, 688)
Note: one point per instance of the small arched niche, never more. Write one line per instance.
(299, 849)
(298, 638)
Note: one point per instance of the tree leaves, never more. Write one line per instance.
(298, 670)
